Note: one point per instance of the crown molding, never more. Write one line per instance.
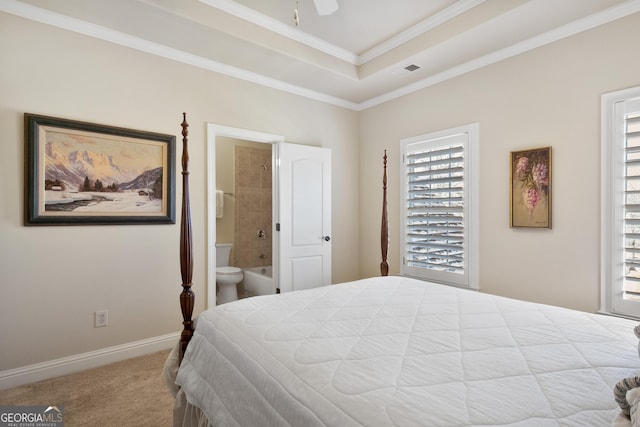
(278, 27)
(34, 13)
(604, 17)
(353, 58)
(44, 16)
(418, 29)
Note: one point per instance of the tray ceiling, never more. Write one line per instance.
(364, 54)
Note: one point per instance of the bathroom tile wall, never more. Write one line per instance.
(253, 213)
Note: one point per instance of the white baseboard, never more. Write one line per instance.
(79, 362)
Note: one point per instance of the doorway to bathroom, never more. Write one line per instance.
(228, 139)
(244, 210)
(295, 239)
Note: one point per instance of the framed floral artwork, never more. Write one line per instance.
(531, 188)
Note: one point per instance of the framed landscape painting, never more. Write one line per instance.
(84, 173)
(531, 188)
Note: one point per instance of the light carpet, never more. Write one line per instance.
(128, 393)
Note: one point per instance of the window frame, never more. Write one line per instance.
(471, 207)
(613, 110)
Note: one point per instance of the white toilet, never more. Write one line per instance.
(227, 277)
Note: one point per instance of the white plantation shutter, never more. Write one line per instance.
(620, 204)
(436, 207)
(631, 215)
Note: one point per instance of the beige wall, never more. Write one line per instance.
(549, 96)
(54, 278)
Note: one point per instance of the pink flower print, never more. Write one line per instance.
(521, 166)
(530, 198)
(540, 174)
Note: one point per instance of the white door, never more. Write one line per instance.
(304, 207)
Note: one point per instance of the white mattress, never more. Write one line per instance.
(401, 352)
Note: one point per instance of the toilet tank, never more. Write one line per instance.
(223, 250)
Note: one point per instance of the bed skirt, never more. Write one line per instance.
(184, 413)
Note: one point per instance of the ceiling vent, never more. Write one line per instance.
(403, 71)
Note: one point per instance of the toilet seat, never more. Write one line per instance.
(227, 270)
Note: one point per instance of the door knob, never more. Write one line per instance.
(327, 238)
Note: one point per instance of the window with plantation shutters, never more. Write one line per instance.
(438, 234)
(631, 215)
(620, 253)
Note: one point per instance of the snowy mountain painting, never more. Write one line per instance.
(93, 173)
(86, 173)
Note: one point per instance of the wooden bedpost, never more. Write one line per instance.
(187, 298)
(384, 229)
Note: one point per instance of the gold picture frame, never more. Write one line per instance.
(530, 197)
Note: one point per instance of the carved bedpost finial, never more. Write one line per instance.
(384, 229)
(185, 151)
(187, 298)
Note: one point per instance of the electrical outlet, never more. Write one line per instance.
(100, 318)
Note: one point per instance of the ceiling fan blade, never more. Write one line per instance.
(326, 7)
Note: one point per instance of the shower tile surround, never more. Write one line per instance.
(253, 212)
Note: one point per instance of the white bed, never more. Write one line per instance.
(394, 351)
